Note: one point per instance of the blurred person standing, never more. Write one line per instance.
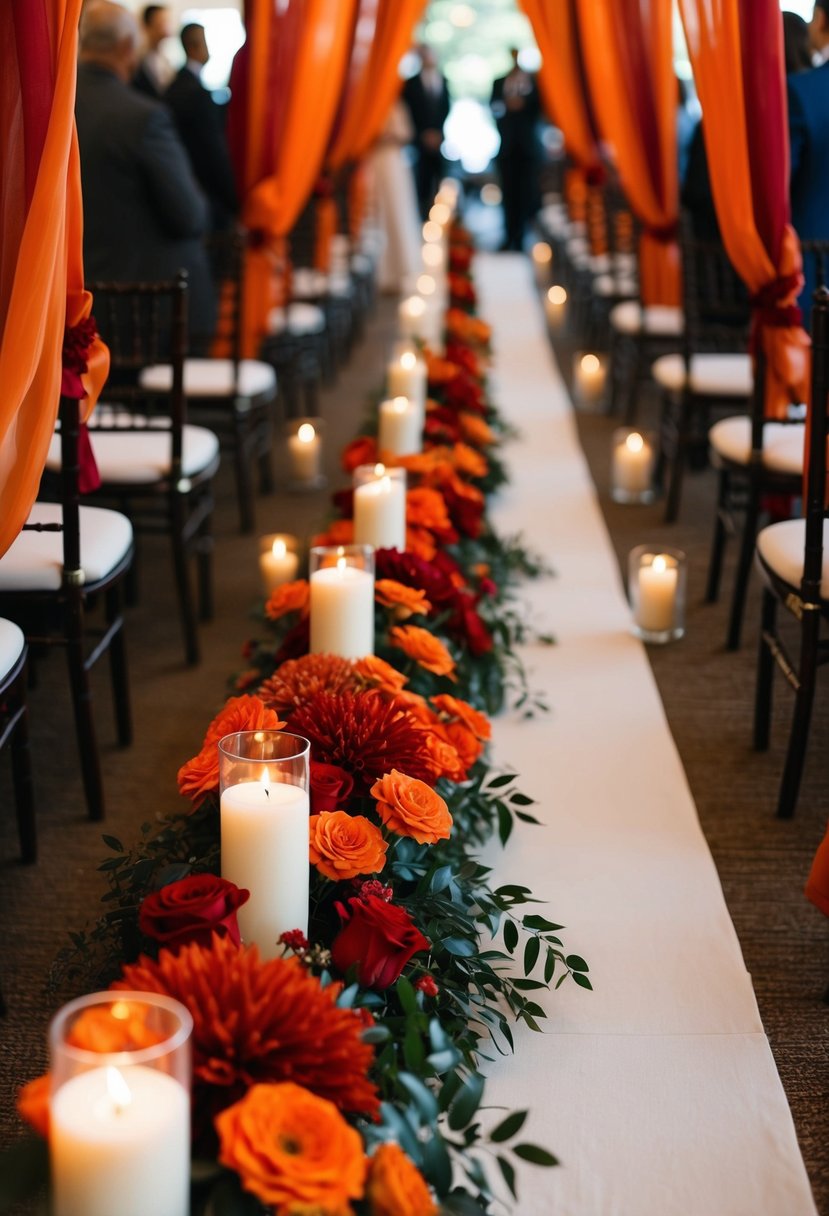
(427, 98)
(516, 108)
(144, 214)
(155, 71)
(394, 194)
(808, 94)
(200, 124)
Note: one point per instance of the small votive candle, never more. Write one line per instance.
(407, 376)
(555, 306)
(342, 600)
(432, 232)
(656, 587)
(305, 451)
(434, 257)
(278, 560)
(400, 430)
(119, 1134)
(632, 466)
(589, 377)
(542, 256)
(380, 507)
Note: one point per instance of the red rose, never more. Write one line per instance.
(191, 910)
(427, 986)
(331, 787)
(379, 938)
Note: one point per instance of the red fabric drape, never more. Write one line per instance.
(628, 54)
(42, 299)
(736, 49)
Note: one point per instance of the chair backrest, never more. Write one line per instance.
(715, 299)
(69, 414)
(144, 324)
(815, 509)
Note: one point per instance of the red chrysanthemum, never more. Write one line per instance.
(260, 1021)
(368, 734)
(298, 680)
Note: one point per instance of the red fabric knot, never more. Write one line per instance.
(77, 343)
(595, 175)
(767, 304)
(666, 234)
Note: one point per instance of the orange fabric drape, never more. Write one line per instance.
(41, 269)
(628, 54)
(561, 78)
(376, 80)
(736, 49)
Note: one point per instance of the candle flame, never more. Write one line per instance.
(542, 252)
(379, 470)
(279, 548)
(432, 255)
(590, 364)
(660, 564)
(400, 405)
(341, 563)
(306, 433)
(408, 360)
(120, 1011)
(432, 232)
(415, 306)
(557, 295)
(426, 284)
(118, 1090)
(340, 553)
(265, 780)
(634, 442)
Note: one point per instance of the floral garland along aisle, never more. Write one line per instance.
(345, 1076)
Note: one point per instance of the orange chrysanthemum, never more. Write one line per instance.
(405, 600)
(343, 845)
(293, 1150)
(396, 1187)
(425, 508)
(469, 462)
(260, 1021)
(377, 673)
(290, 597)
(341, 532)
(297, 680)
(454, 707)
(426, 650)
(411, 808)
(362, 450)
(33, 1104)
(475, 430)
(421, 543)
(200, 775)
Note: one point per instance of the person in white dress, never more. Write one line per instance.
(396, 203)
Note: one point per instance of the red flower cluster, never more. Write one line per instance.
(378, 938)
(191, 910)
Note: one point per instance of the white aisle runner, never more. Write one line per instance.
(658, 1090)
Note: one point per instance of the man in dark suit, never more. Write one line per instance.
(427, 98)
(154, 72)
(516, 109)
(200, 125)
(144, 214)
(809, 144)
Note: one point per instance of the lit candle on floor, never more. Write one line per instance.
(555, 303)
(542, 256)
(120, 1142)
(264, 830)
(411, 317)
(589, 379)
(380, 507)
(632, 466)
(407, 377)
(434, 258)
(657, 594)
(342, 611)
(278, 562)
(304, 447)
(400, 427)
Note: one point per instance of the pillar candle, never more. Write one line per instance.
(380, 513)
(407, 377)
(555, 304)
(401, 427)
(304, 448)
(277, 565)
(589, 379)
(411, 317)
(264, 829)
(632, 469)
(342, 611)
(657, 595)
(121, 1143)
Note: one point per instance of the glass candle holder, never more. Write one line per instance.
(589, 379)
(305, 454)
(656, 590)
(380, 506)
(400, 427)
(264, 801)
(119, 1137)
(278, 560)
(434, 259)
(542, 256)
(555, 307)
(342, 600)
(407, 375)
(633, 459)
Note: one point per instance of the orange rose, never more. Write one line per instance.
(477, 722)
(290, 597)
(468, 461)
(200, 775)
(465, 743)
(362, 450)
(380, 674)
(475, 430)
(421, 543)
(291, 1148)
(33, 1104)
(341, 532)
(411, 808)
(440, 371)
(428, 651)
(396, 1187)
(420, 463)
(343, 845)
(406, 600)
(425, 508)
(444, 755)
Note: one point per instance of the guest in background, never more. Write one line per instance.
(516, 108)
(819, 32)
(144, 214)
(200, 124)
(796, 43)
(154, 72)
(809, 145)
(427, 97)
(394, 194)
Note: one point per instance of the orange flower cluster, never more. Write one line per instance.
(475, 430)
(341, 532)
(290, 597)
(343, 845)
(298, 680)
(426, 650)
(426, 508)
(396, 1187)
(412, 808)
(406, 601)
(200, 775)
(466, 328)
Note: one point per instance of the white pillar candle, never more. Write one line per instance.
(632, 465)
(380, 512)
(411, 317)
(542, 256)
(408, 377)
(342, 611)
(656, 606)
(121, 1143)
(589, 379)
(304, 448)
(555, 304)
(264, 828)
(401, 427)
(434, 260)
(277, 565)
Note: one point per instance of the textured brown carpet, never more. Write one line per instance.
(708, 697)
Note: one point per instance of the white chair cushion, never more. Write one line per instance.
(781, 547)
(143, 457)
(615, 285)
(340, 286)
(782, 444)
(658, 321)
(307, 283)
(34, 562)
(298, 319)
(12, 643)
(711, 375)
(577, 246)
(213, 378)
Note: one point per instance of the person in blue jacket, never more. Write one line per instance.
(809, 141)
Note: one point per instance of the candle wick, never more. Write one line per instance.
(267, 792)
